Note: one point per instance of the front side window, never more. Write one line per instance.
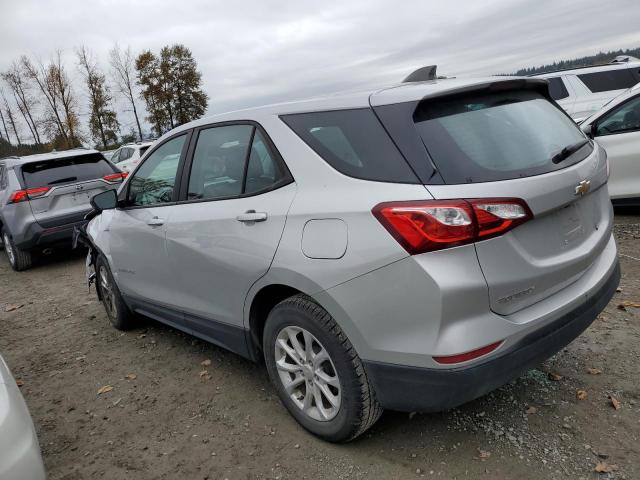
(608, 80)
(154, 180)
(625, 118)
(485, 137)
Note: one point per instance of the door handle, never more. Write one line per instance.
(155, 221)
(252, 216)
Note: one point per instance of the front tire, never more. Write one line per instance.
(18, 259)
(117, 311)
(317, 372)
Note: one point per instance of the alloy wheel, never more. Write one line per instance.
(307, 373)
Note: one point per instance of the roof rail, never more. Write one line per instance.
(422, 74)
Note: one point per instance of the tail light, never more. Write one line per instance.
(22, 195)
(116, 177)
(425, 226)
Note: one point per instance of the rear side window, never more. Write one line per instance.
(65, 170)
(608, 80)
(496, 136)
(354, 143)
(557, 88)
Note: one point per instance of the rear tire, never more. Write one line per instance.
(308, 355)
(117, 311)
(18, 259)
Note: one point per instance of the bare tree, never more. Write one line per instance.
(103, 122)
(10, 117)
(61, 86)
(40, 76)
(17, 81)
(4, 125)
(123, 72)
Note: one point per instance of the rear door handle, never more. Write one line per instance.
(155, 221)
(252, 216)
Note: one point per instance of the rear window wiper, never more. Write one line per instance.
(63, 180)
(569, 150)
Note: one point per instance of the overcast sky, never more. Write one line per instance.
(253, 52)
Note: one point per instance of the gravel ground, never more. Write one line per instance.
(171, 414)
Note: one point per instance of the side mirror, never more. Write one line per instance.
(589, 130)
(105, 201)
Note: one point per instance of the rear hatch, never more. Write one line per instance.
(508, 143)
(64, 186)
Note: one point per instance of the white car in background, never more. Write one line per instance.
(128, 156)
(584, 91)
(20, 456)
(616, 127)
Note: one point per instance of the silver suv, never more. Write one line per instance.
(411, 248)
(42, 198)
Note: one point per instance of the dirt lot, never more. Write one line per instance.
(165, 418)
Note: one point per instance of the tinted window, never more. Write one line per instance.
(497, 136)
(65, 170)
(3, 177)
(263, 171)
(217, 169)
(115, 157)
(354, 143)
(154, 180)
(625, 118)
(143, 149)
(557, 88)
(608, 80)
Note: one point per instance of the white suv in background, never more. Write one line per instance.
(584, 91)
(128, 156)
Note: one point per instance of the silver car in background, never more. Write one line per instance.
(411, 248)
(44, 196)
(20, 456)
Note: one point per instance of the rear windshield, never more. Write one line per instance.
(354, 143)
(496, 136)
(65, 170)
(144, 149)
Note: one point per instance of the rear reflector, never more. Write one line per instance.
(428, 225)
(22, 195)
(115, 177)
(465, 357)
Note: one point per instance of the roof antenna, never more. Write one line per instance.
(422, 74)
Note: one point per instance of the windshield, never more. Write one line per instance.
(496, 136)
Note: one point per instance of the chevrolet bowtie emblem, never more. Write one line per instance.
(583, 187)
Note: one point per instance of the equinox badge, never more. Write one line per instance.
(583, 187)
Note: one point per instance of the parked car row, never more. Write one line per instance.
(584, 91)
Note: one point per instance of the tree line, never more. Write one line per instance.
(597, 59)
(42, 97)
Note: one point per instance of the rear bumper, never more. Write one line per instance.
(407, 388)
(35, 235)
